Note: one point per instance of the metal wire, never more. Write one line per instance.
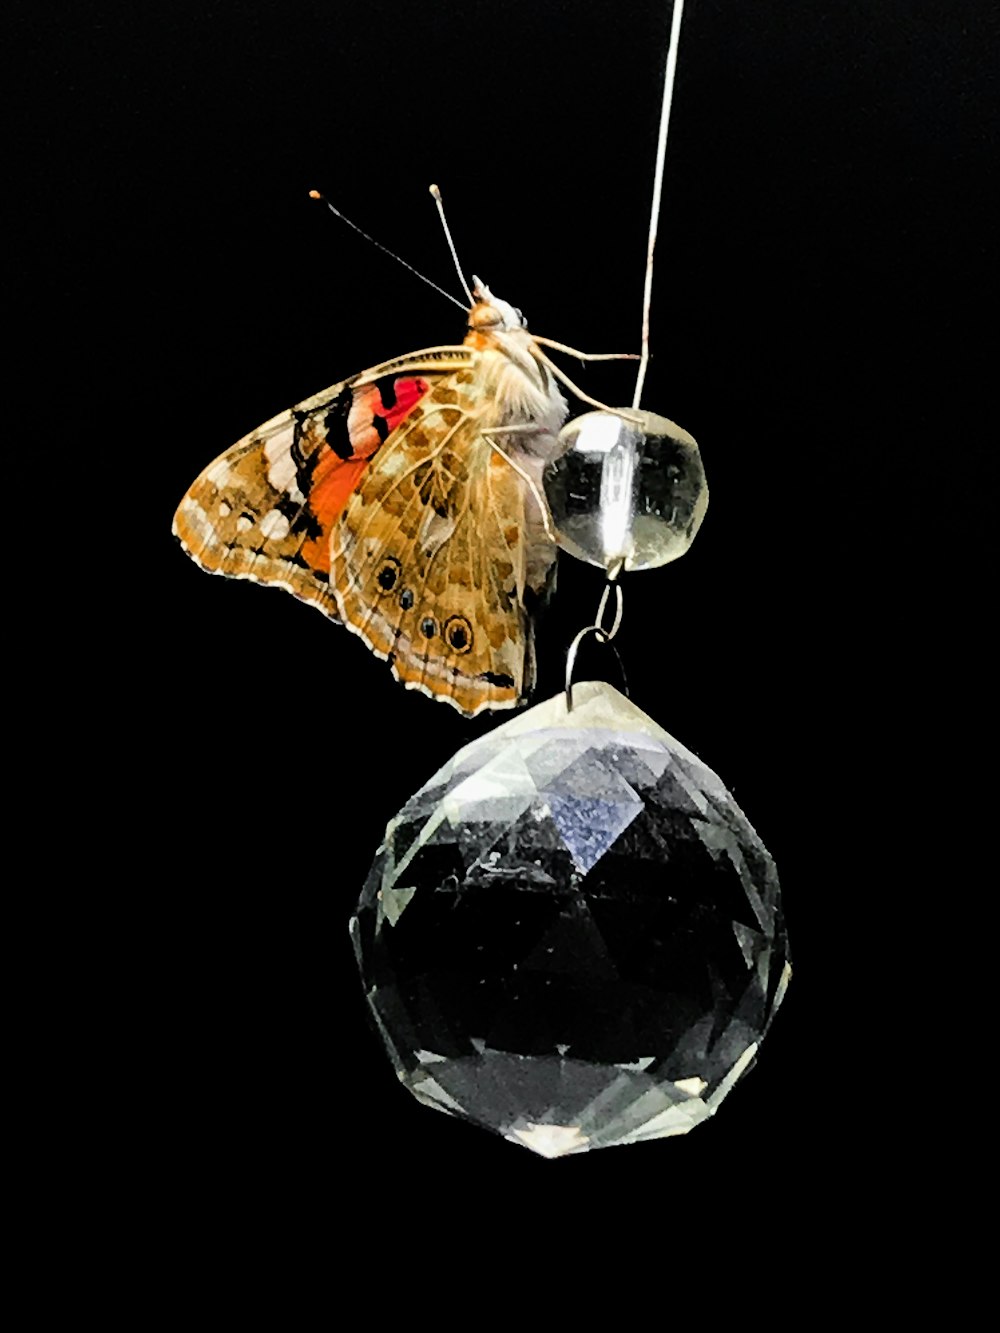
(601, 632)
(654, 212)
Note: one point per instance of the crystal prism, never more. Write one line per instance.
(572, 935)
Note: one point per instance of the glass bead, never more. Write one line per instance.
(621, 492)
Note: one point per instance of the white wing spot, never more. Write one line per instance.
(274, 524)
(224, 510)
(244, 524)
(281, 466)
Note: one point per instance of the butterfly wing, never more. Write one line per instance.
(264, 510)
(435, 552)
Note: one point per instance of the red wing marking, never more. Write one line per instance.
(335, 479)
(371, 420)
(334, 482)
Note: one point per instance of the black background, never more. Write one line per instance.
(821, 274)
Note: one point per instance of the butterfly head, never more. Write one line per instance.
(490, 314)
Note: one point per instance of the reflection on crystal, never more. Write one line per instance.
(552, 1140)
(572, 935)
(620, 492)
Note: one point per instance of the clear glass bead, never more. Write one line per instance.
(621, 492)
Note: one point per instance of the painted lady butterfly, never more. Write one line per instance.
(406, 503)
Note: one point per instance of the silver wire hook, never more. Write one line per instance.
(571, 661)
(602, 633)
(603, 606)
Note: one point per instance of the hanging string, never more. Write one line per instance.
(661, 149)
(605, 633)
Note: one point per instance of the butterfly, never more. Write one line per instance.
(406, 503)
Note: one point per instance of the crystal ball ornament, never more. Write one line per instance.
(571, 935)
(626, 493)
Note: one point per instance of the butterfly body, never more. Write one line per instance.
(404, 502)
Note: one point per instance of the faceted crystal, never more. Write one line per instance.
(620, 492)
(571, 935)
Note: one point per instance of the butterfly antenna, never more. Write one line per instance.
(315, 194)
(435, 191)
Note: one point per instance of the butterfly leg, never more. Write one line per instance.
(587, 356)
(526, 477)
(584, 397)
